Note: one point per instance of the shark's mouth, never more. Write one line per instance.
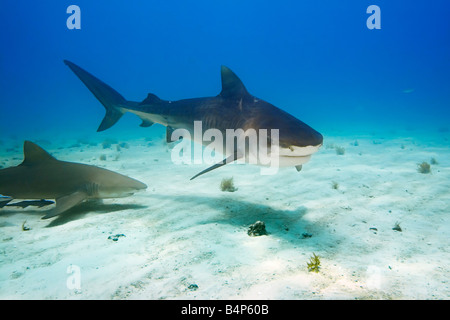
(293, 156)
(294, 151)
(292, 161)
(281, 157)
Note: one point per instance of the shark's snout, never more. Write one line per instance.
(316, 138)
(140, 186)
(305, 136)
(131, 186)
(121, 190)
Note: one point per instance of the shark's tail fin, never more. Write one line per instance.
(110, 98)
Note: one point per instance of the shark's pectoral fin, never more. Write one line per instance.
(299, 168)
(230, 159)
(66, 202)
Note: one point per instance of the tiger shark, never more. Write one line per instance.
(234, 108)
(41, 176)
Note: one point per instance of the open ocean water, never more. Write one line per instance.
(318, 61)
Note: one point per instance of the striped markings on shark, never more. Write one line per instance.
(234, 108)
(41, 176)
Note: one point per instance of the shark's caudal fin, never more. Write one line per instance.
(110, 98)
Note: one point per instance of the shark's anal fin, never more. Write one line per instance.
(230, 159)
(65, 203)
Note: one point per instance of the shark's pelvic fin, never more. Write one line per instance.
(299, 168)
(65, 203)
(110, 98)
(33, 154)
(230, 159)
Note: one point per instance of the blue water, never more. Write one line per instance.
(316, 60)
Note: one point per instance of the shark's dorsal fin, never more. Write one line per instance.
(151, 99)
(232, 86)
(33, 154)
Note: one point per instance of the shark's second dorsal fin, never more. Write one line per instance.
(232, 86)
(34, 154)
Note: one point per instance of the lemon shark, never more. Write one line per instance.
(234, 108)
(41, 176)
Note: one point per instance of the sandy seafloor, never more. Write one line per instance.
(188, 239)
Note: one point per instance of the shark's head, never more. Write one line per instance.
(115, 185)
(297, 141)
